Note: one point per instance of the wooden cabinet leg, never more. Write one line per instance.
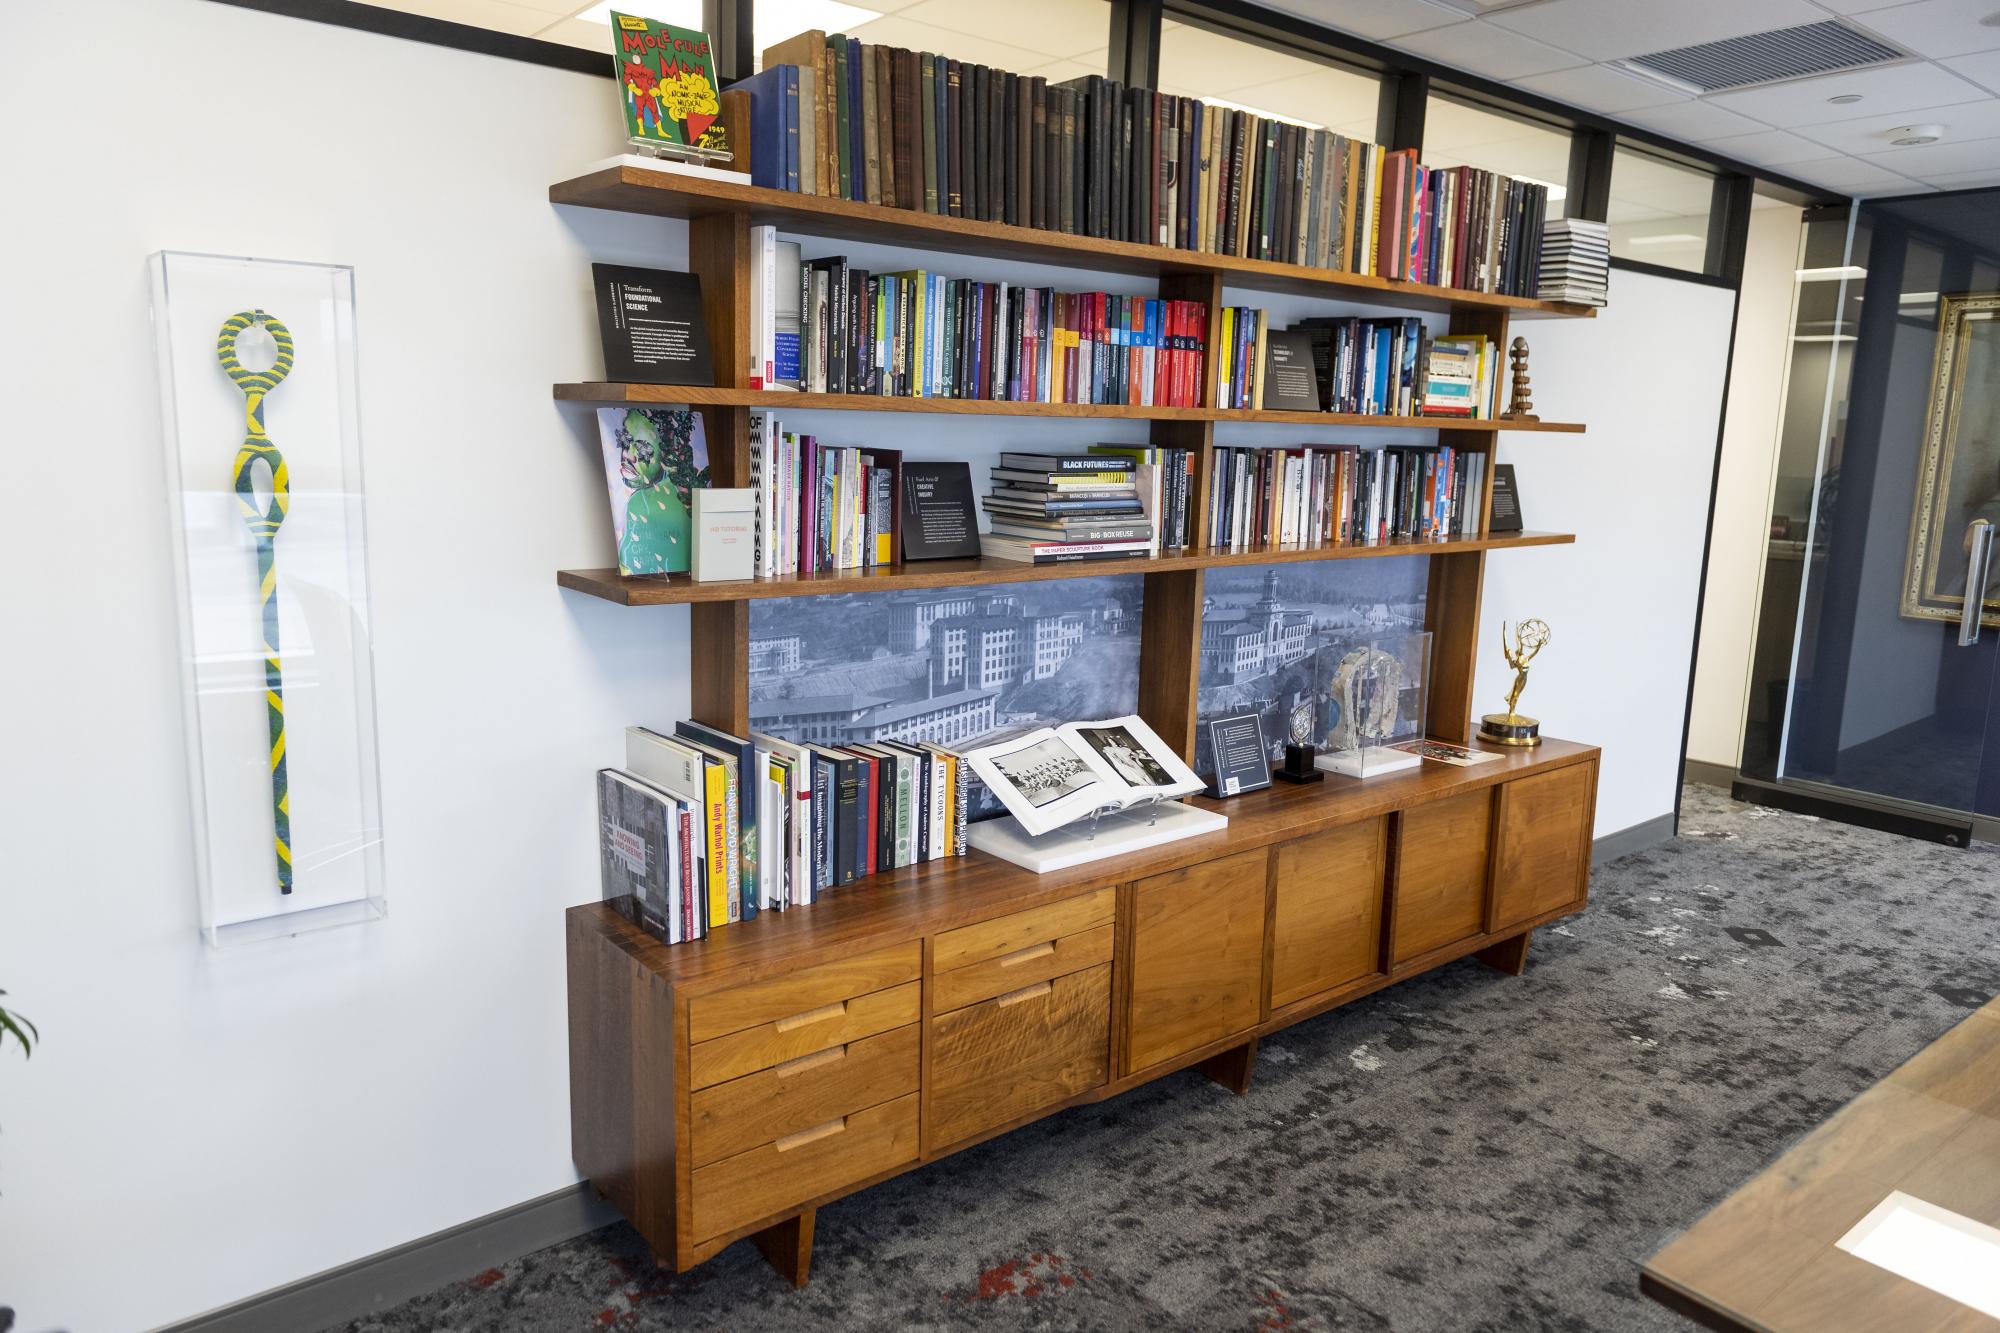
(1509, 956)
(1231, 1068)
(789, 1247)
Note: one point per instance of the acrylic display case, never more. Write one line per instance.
(1373, 696)
(263, 461)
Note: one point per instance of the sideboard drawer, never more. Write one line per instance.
(769, 1180)
(1541, 858)
(1017, 1053)
(722, 1012)
(1011, 971)
(802, 1033)
(1441, 856)
(763, 1107)
(990, 940)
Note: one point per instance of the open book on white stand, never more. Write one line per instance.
(1084, 791)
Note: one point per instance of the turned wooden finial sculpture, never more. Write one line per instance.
(1521, 407)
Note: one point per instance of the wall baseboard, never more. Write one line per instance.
(1648, 833)
(1707, 774)
(457, 1253)
(380, 1281)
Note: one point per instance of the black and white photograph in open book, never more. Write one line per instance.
(1053, 776)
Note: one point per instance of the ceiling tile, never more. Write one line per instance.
(1196, 63)
(901, 30)
(1691, 122)
(1936, 28)
(1614, 29)
(1767, 148)
(1484, 49)
(1967, 180)
(1883, 91)
(1965, 121)
(1599, 88)
(494, 15)
(1063, 29)
(1927, 160)
(1982, 69)
(1857, 6)
(1377, 20)
(1845, 173)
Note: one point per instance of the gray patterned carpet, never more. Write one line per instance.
(1465, 1151)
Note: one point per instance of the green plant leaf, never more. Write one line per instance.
(15, 1023)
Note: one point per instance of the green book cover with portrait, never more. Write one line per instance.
(654, 459)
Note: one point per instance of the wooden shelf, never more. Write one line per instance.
(932, 896)
(779, 401)
(663, 194)
(674, 589)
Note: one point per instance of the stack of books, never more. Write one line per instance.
(916, 130)
(824, 326)
(1051, 509)
(1576, 262)
(1460, 377)
(822, 506)
(1322, 494)
(703, 829)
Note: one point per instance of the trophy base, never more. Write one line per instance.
(1510, 729)
(1298, 765)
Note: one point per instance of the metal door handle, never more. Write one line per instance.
(1978, 568)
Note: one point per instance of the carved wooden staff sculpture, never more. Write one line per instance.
(264, 523)
(1521, 406)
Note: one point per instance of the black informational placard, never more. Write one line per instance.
(939, 520)
(1237, 744)
(652, 326)
(1289, 382)
(1506, 500)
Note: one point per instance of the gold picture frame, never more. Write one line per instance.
(1958, 475)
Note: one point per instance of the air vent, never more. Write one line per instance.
(1768, 57)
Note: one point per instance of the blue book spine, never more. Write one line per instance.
(767, 128)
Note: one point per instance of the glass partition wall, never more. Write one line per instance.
(1876, 666)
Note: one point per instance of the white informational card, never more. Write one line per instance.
(1053, 776)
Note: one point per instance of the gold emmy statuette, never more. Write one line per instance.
(1510, 728)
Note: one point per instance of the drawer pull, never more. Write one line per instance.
(1033, 992)
(813, 1061)
(1029, 954)
(820, 1015)
(813, 1135)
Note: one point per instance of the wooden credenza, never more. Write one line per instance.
(726, 1088)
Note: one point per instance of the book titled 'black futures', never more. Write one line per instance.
(939, 520)
(652, 326)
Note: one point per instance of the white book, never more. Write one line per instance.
(1052, 776)
(798, 838)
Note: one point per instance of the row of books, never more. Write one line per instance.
(822, 506)
(1393, 367)
(1323, 494)
(702, 829)
(918, 334)
(836, 117)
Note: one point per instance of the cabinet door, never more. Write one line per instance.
(1197, 957)
(1441, 873)
(1327, 924)
(1012, 1055)
(1542, 861)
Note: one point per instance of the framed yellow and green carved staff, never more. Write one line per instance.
(265, 518)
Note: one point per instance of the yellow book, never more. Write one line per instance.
(715, 782)
(1257, 364)
(1223, 359)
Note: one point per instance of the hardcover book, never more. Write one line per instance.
(655, 458)
(666, 83)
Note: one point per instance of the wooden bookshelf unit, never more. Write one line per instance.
(727, 1087)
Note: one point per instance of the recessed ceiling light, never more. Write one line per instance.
(1844, 99)
(1908, 136)
(1830, 274)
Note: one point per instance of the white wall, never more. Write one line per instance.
(1646, 375)
(1759, 370)
(199, 1128)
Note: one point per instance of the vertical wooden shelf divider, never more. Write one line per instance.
(1170, 617)
(719, 632)
(1451, 602)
